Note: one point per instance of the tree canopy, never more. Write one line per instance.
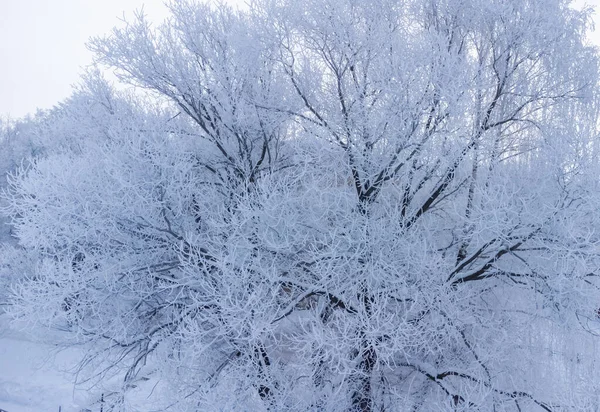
(365, 205)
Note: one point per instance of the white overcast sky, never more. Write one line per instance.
(42, 45)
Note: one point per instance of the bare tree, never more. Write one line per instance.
(334, 205)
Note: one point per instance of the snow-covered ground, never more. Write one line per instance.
(35, 377)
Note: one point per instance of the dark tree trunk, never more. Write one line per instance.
(362, 398)
(264, 362)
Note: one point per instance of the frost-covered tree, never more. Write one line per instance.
(18, 145)
(328, 205)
